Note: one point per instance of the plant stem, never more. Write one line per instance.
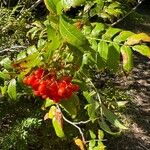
(132, 10)
(73, 124)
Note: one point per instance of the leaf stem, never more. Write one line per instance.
(74, 124)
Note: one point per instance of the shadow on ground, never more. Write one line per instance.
(138, 110)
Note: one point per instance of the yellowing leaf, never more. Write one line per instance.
(127, 58)
(79, 143)
(58, 124)
(46, 116)
(52, 112)
(137, 39)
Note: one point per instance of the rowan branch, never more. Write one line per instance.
(132, 10)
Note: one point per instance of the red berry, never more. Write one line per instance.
(36, 93)
(42, 88)
(61, 91)
(68, 93)
(30, 79)
(75, 87)
(35, 84)
(39, 73)
(44, 96)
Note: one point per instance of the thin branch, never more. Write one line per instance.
(132, 10)
(73, 124)
(82, 122)
(104, 40)
(35, 5)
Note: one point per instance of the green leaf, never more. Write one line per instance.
(123, 36)
(92, 106)
(51, 5)
(71, 105)
(98, 29)
(127, 57)
(92, 134)
(112, 118)
(103, 52)
(101, 146)
(100, 135)
(48, 102)
(88, 95)
(58, 127)
(4, 75)
(110, 33)
(67, 4)
(6, 63)
(71, 34)
(142, 49)
(21, 55)
(30, 61)
(32, 49)
(113, 57)
(53, 43)
(41, 43)
(92, 144)
(12, 89)
(3, 89)
(106, 128)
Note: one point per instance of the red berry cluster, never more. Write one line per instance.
(46, 85)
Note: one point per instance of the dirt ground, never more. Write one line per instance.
(138, 83)
(138, 111)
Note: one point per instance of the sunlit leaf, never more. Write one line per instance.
(121, 103)
(142, 49)
(6, 63)
(100, 134)
(98, 29)
(110, 33)
(3, 89)
(12, 89)
(48, 102)
(92, 134)
(122, 36)
(79, 143)
(51, 5)
(137, 39)
(67, 4)
(71, 34)
(4, 75)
